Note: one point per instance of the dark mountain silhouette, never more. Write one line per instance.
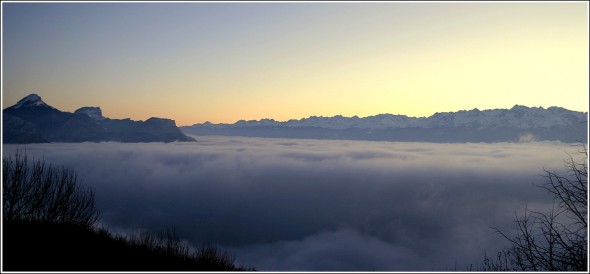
(31, 120)
(517, 124)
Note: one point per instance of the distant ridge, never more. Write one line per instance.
(520, 123)
(31, 120)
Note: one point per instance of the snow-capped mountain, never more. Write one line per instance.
(32, 100)
(92, 112)
(31, 120)
(553, 123)
(521, 117)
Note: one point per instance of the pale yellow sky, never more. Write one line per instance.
(222, 62)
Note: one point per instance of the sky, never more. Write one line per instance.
(319, 205)
(223, 62)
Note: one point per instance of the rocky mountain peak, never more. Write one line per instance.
(32, 100)
(92, 112)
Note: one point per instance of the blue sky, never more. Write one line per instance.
(222, 62)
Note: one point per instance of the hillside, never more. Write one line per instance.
(46, 246)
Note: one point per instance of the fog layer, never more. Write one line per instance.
(283, 204)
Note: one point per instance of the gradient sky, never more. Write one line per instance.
(222, 62)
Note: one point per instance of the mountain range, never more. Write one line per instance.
(518, 124)
(31, 120)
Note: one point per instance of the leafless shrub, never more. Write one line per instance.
(556, 240)
(206, 257)
(35, 191)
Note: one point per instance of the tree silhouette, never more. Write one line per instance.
(556, 240)
(45, 210)
(35, 191)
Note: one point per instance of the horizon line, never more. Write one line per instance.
(368, 116)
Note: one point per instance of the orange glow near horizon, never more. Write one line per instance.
(222, 63)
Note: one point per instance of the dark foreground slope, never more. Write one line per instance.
(45, 246)
(50, 223)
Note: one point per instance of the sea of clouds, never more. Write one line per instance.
(318, 205)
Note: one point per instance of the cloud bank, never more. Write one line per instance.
(283, 204)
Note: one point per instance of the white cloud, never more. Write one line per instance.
(527, 138)
(317, 204)
(343, 249)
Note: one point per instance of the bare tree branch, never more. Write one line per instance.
(556, 240)
(39, 192)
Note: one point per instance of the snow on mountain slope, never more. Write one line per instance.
(516, 117)
(520, 117)
(31, 120)
(92, 112)
(32, 100)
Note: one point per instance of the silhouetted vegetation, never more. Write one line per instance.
(551, 241)
(50, 224)
(39, 192)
